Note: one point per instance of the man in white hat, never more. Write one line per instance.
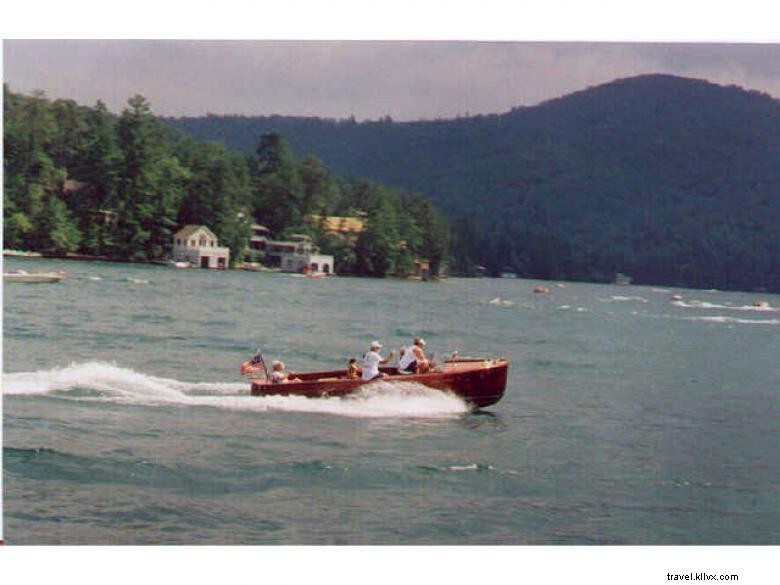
(372, 361)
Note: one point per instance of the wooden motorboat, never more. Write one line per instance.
(33, 277)
(481, 382)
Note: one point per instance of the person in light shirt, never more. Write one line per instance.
(372, 360)
(413, 360)
(279, 375)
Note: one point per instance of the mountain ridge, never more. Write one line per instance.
(628, 176)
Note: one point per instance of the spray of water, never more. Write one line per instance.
(762, 308)
(724, 319)
(108, 382)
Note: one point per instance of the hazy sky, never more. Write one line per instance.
(406, 80)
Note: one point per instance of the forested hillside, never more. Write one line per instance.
(674, 181)
(81, 180)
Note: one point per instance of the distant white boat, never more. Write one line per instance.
(622, 279)
(500, 302)
(173, 263)
(33, 277)
(21, 254)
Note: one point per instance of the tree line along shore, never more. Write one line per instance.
(670, 181)
(83, 183)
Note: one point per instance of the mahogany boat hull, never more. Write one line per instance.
(479, 382)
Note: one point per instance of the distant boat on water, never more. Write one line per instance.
(33, 277)
(500, 302)
(622, 279)
(21, 254)
(173, 263)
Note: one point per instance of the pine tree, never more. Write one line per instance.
(217, 194)
(150, 186)
(278, 188)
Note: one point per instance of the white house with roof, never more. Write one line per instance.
(308, 263)
(299, 254)
(259, 239)
(198, 245)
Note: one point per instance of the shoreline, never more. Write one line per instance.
(87, 258)
(246, 267)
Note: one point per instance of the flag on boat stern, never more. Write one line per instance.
(250, 366)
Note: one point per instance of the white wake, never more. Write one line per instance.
(724, 319)
(763, 308)
(100, 381)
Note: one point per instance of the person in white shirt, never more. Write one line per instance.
(413, 360)
(280, 376)
(372, 360)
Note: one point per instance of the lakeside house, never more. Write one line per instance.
(345, 228)
(198, 245)
(296, 254)
(348, 230)
(421, 268)
(258, 241)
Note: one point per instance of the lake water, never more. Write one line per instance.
(628, 418)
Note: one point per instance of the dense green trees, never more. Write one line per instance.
(80, 179)
(673, 181)
(151, 184)
(99, 169)
(35, 215)
(217, 192)
(287, 193)
(278, 187)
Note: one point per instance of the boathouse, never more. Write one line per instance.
(308, 263)
(198, 245)
(298, 254)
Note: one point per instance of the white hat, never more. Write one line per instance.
(376, 344)
(420, 341)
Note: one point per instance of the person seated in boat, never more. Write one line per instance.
(372, 360)
(413, 360)
(353, 371)
(279, 375)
